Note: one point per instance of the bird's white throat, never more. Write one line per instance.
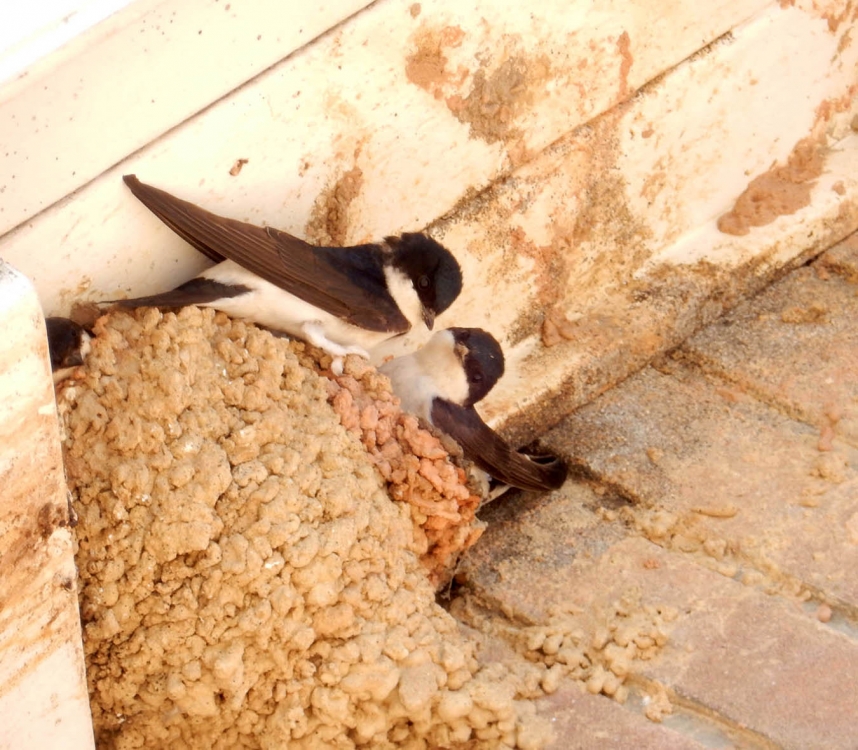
(402, 290)
(435, 371)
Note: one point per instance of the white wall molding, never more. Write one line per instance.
(43, 695)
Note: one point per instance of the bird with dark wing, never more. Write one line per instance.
(441, 383)
(344, 300)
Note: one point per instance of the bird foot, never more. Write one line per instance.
(315, 334)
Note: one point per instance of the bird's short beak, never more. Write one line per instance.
(429, 317)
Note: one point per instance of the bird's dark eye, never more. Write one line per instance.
(423, 283)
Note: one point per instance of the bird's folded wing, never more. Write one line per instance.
(494, 455)
(346, 282)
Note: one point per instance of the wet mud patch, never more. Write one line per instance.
(329, 219)
(780, 191)
(426, 67)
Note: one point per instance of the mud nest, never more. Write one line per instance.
(245, 578)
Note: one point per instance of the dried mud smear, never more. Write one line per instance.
(590, 234)
(500, 95)
(245, 579)
(500, 89)
(624, 45)
(780, 191)
(329, 222)
(600, 647)
(426, 67)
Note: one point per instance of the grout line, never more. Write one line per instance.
(695, 718)
(794, 412)
(784, 586)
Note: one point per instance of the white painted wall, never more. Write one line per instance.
(32, 32)
(393, 91)
(128, 80)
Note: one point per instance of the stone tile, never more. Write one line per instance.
(770, 669)
(582, 721)
(766, 672)
(735, 479)
(757, 661)
(528, 535)
(796, 344)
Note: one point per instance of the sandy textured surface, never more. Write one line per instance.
(423, 469)
(246, 580)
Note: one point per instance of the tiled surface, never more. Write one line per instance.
(796, 346)
(584, 722)
(722, 484)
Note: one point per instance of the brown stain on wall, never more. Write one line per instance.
(785, 189)
(828, 108)
(780, 191)
(596, 240)
(503, 85)
(603, 216)
(603, 241)
(36, 619)
(603, 222)
(426, 67)
(51, 517)
(499, 94)
(624, 48)
(550, 274)
(835, 19)
(845, 41)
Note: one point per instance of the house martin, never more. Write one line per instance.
(68, 345)
(441, 383)
(344, 300)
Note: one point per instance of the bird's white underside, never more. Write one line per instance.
(435, 371)
(271, 306)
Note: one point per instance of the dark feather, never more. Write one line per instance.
(64, 342)
(346, 282)
(197, 291)
(491, 453)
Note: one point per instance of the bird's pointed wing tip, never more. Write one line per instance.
(554, 470)
(493, 454)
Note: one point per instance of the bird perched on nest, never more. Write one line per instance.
(344, 300)
(68, 345)
(441, 383)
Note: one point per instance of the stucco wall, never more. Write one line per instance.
(43, 697)
(563, 153)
